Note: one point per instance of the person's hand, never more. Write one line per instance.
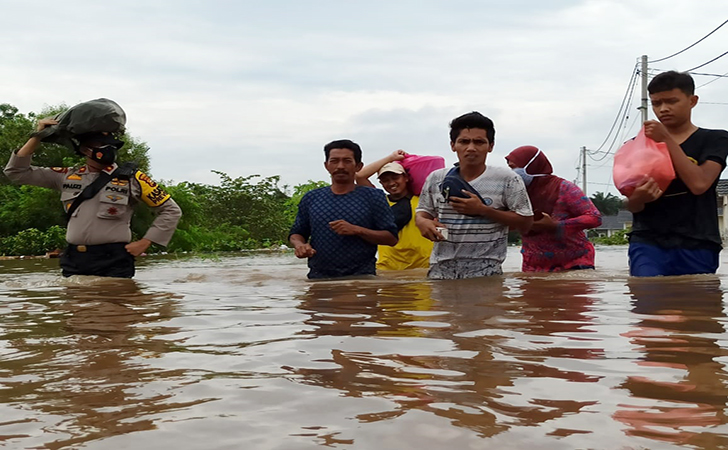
(45, 123)
(304, 251)
(471, 206)
(428, 228)
(647, 191)
(545, 223)
(136, 248)
(344, 228)
(656, 131)
(397, 155)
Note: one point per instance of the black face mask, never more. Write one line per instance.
(105, 155)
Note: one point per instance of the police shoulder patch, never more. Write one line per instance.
(152, 194)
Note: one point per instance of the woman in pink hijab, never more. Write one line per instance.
(561, 213)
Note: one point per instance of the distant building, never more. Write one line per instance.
(722, 191)
(612, 224)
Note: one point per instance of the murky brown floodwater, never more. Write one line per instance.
(242, 352)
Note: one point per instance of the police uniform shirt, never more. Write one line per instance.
(106, 217)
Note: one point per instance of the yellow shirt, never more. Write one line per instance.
(411, 252)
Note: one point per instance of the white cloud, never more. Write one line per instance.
(247, 88)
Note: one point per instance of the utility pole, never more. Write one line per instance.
(643, 106)
(583, 169)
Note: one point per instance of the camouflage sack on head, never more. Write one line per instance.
(100, 115)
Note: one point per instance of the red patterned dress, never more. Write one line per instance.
(567, 247)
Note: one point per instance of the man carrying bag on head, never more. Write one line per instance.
(98, 197)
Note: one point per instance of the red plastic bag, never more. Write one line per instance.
(419, 167)
(639, 159)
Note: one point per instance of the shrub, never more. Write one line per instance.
(618, 238)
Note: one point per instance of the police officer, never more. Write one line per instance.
(98, 232)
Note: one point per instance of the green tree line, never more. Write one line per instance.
(608, 204)
(238, 213)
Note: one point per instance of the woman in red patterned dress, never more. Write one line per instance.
(561, 212)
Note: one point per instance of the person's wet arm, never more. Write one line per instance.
(168, 214)
(428, 226)
(698, 178)
(19, 169)
(583, 214)
(301, 230)
(377, 237)
(165, 224)
(301, 247)
(646, 192)
(511, 219)
(426, 214)
(473, 206)
(383, 230)
(362, 176)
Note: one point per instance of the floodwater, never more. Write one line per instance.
(242, 352)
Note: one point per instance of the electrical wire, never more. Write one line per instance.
(625, 116)
(690, 46)
(611, 173)
(631, 127)
(714, 79)
(725, 75)
(627, 101)
(706, 63)
(630, 89)
(627, 131)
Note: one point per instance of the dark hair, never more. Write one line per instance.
(667, 81)
(472, 120)
(344, 143)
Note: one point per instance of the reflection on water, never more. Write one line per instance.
(679, 329)
(75, 351)
(469, 326)
(243, 352)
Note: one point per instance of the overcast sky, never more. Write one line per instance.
(259, 87)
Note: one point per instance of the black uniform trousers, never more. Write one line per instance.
(103, 260)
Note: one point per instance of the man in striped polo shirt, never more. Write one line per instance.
(475, 203)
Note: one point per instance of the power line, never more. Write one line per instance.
(627, 131)
(714, 79)
(627, 93)
(706, 63)
(690, 46)
(725, 75)
(625, 117)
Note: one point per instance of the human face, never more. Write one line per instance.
(342, 166)
(98, 155)
(673, 108)
(395, 184)
(472, 147)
